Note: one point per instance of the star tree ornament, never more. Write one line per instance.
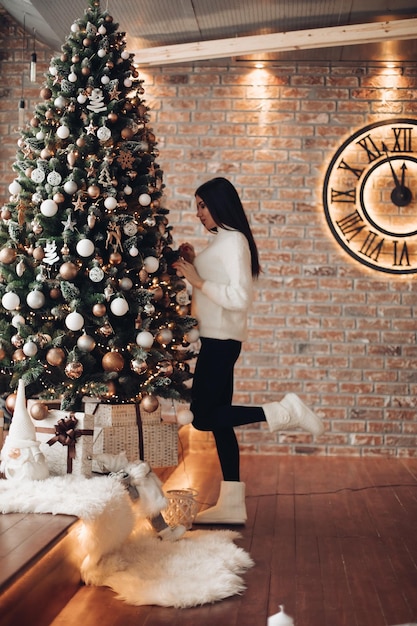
(86, 251)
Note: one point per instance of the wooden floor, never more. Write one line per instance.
(333, 539)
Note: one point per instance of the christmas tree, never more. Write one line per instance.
(90, 304)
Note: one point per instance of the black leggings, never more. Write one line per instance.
(211, 402)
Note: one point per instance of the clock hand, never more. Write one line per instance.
(394, 175)
(403, 168)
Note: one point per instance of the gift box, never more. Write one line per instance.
(66, 441)
(126, 428)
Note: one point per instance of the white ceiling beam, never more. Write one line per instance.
(350, 35)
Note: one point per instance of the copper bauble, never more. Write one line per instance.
(127, 133)
(10, 402)
(112, 117)
(55, 293)
(113, 362)
(5, 213)
(39, 411)
(17, 341)
(46, 93)
(99, 309)
(111, 390)
(115, 258)
(59, 197)
(2, 353)
(18, 355)
(149, 403)
(55, 356)
(38, 253)
(138, 366)
(34, 122)
(68, 270)
(7, 255)
(93, 191)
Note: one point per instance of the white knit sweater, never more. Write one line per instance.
(222, 304)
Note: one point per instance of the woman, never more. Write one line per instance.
(222, 277)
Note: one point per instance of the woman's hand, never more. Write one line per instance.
(188, 271)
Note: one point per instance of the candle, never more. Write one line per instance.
(280, 619)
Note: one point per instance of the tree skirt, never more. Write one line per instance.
(122, 552)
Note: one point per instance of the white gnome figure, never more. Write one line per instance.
(21, 457)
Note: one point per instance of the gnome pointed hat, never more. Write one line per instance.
(21, 427)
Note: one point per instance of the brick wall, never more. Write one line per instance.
(339, 334)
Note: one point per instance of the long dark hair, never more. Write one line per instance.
(226, 209)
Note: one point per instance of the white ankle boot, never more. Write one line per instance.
(291, 413)
(230, 507)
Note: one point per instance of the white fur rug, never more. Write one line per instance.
(121, 550)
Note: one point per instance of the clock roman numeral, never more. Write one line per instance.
(343, 196)
(401, 257)
(352, 223)
(344, 166)
(370, 148)
(371, 247)
(403, 139)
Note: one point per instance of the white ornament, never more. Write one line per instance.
(96, 101)
(49, 208)
(105, 79)
(96, 274)
(74, 321)
(144, 339)
(127, 82)
(54, 178)
(72, 77)
(102, 30)
(151, 264)
(53, 70)
(119, 306)
(60, 102)
(85, 247)
(35, 299)
(81, 98)
(70, 187)
(75, 28)
(104, 133)
(10, 300)
(133, 251)
(63, 132)
(128, 190)
(144, 199)
(125, 54)
(38, 175)
(15, 188)
(101, 52)
(185, 416)
(130, 229)
(51, 253)
(30, 348)
(18, 320)
(40, 135)
(110, 203)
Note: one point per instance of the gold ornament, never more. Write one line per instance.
(113, 362)
(149, 403)
(39, 411)
(68, 270)
(55, 356)
(99, 309)
(7, 255)
(10, 402)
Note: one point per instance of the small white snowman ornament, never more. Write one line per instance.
(21, 457)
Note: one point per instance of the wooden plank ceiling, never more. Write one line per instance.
(162, 24)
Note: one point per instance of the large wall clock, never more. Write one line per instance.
(370, 195)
